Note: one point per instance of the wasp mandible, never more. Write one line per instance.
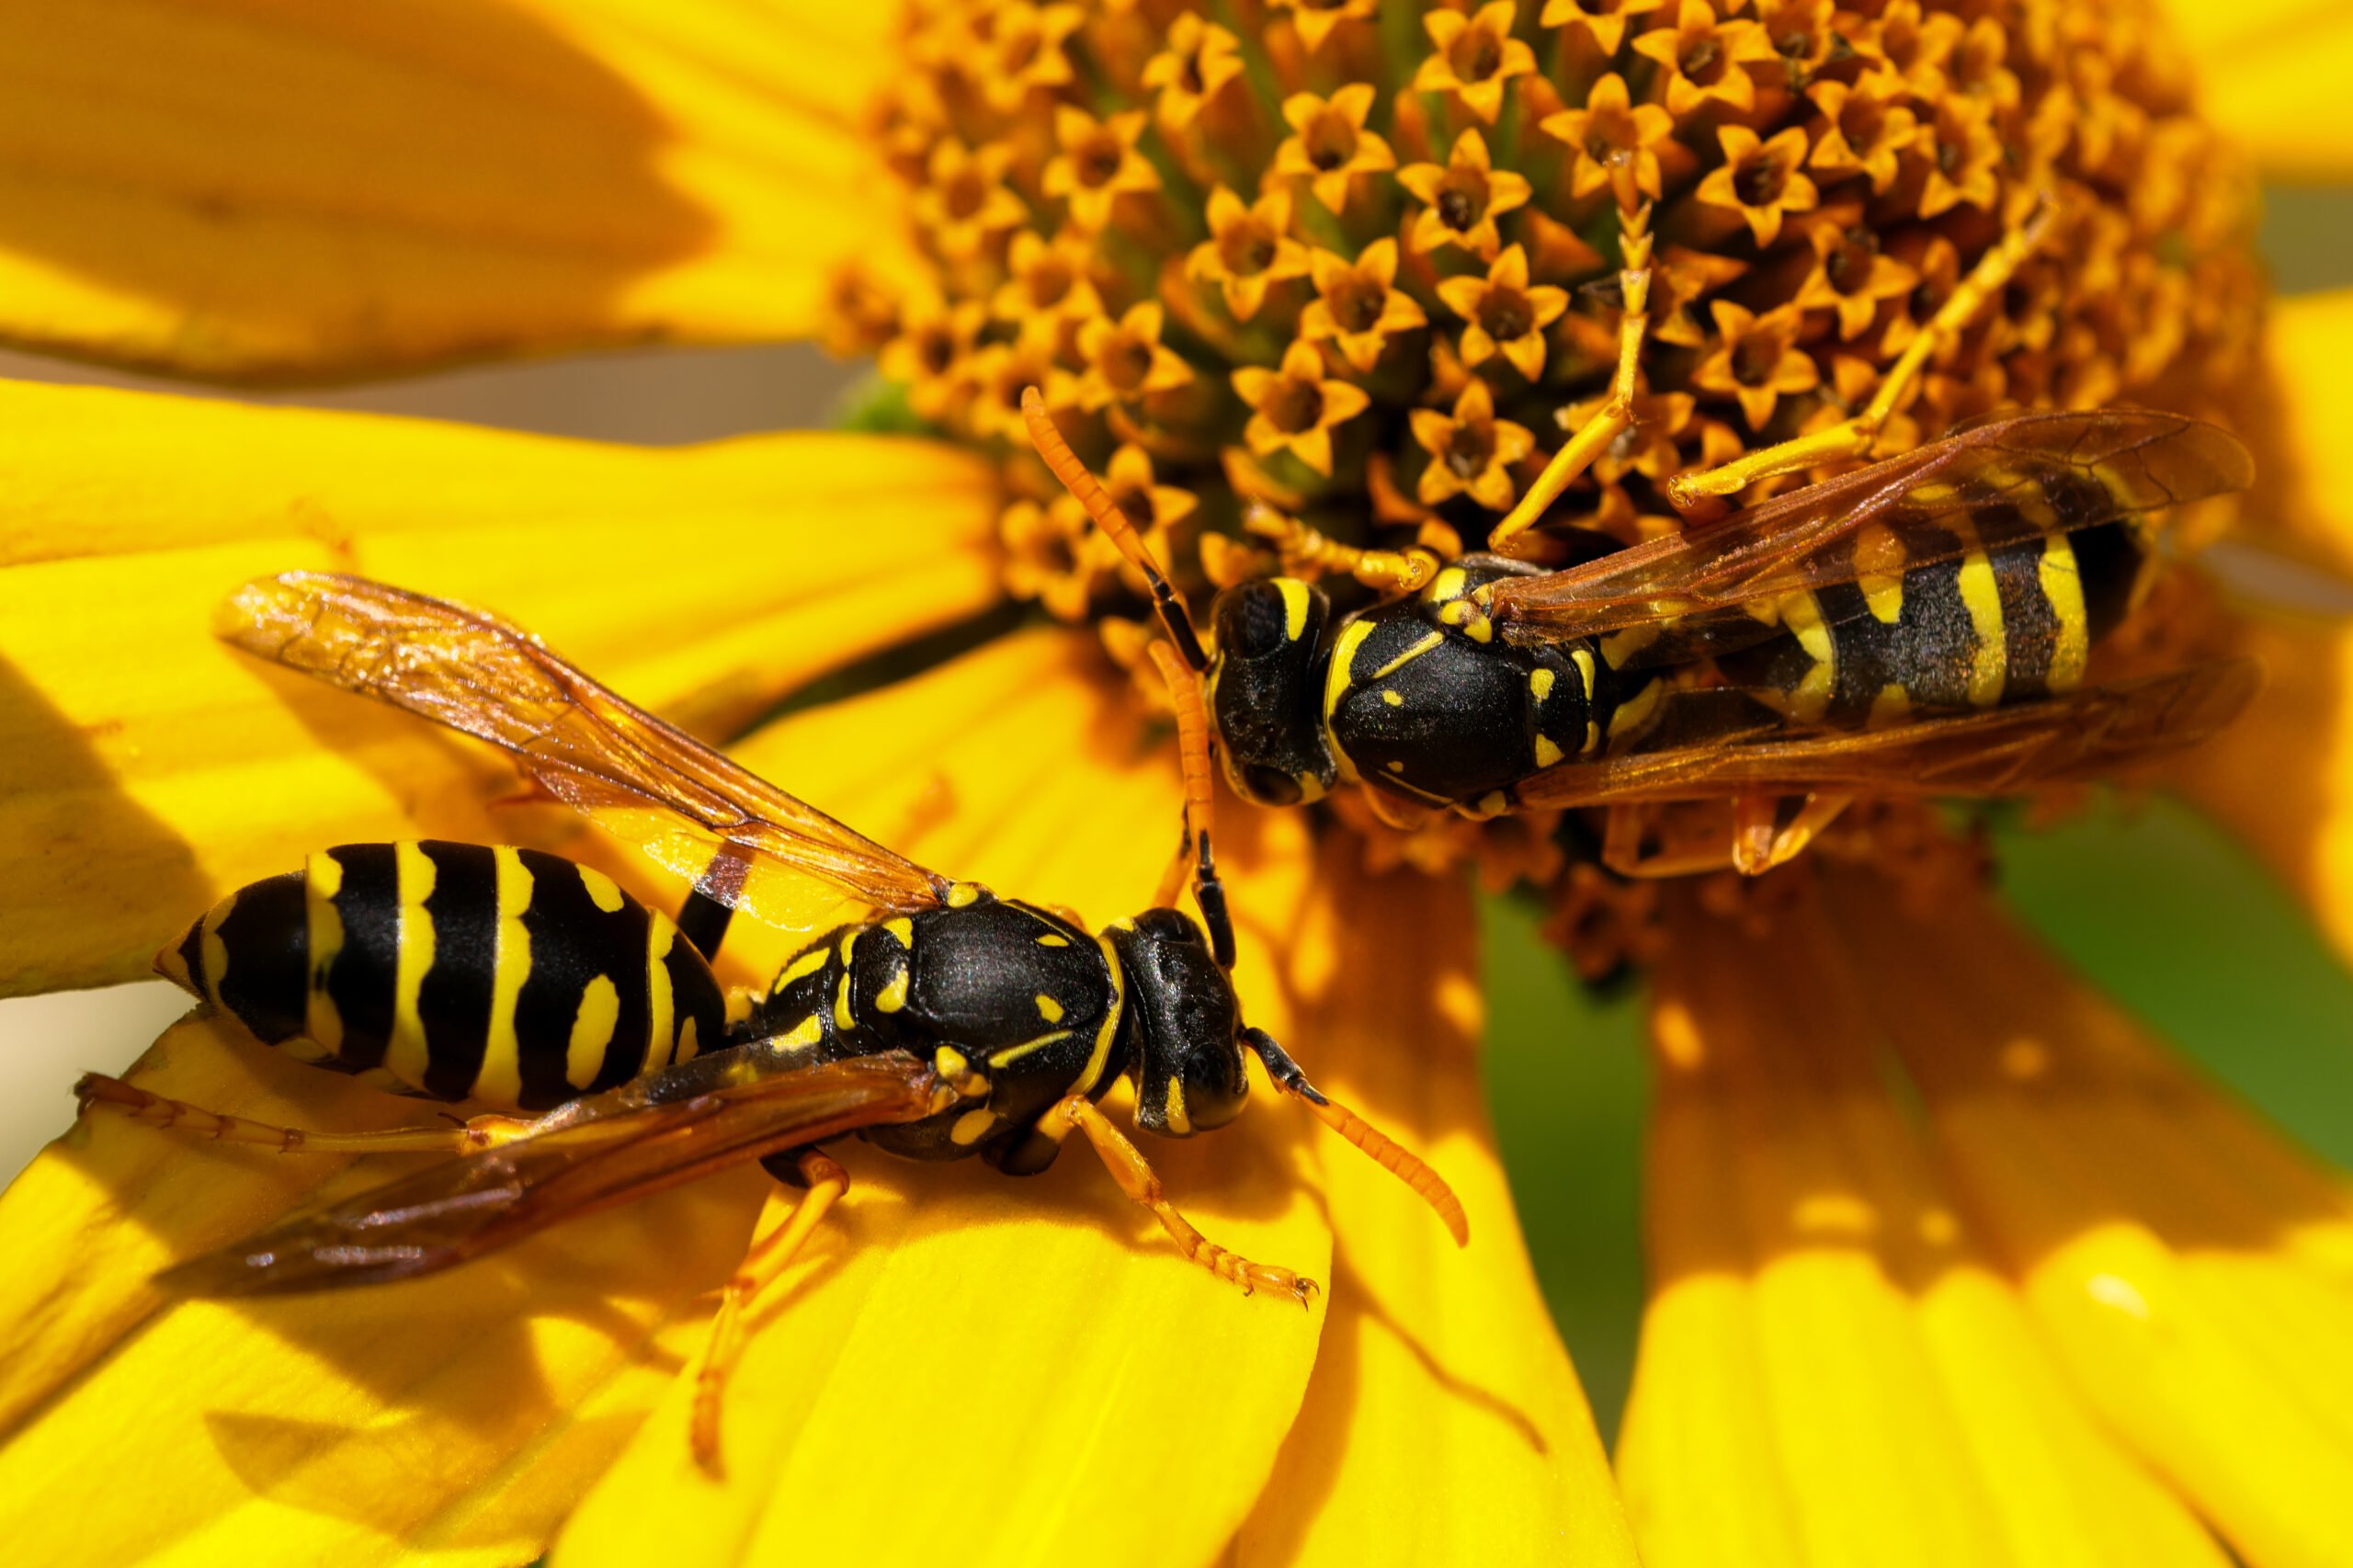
(945, 1022)
(1923, 626)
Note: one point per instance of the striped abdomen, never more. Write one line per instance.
(2006, 624)
(507, 976)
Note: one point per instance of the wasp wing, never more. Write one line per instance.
(2002, 751)
(596, 1152)
(2033, 476)
(689, 807)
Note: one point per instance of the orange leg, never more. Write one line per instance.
(1134, 1175)
(98, 1091)
(1308, 553)
(1511, 537)
(1761, 842)
(1194, 855)
(1855, 438)
(785, 1224)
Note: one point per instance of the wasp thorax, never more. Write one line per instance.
(1265, 689)
(1183, 1025)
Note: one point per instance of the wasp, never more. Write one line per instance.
(1922, 626)
(945, 1022)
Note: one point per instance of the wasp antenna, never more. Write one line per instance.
(1114, 524)
(1386, 1152)
(1398, 1162)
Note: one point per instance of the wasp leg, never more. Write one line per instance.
(1761, 841)
(1307, 552)
(1194, 857)
(785, 1222)
(97, 1092)
(1639, 840)
(1133, 1173)
(1856, 437)
(1511, 537)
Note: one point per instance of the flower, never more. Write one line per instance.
(540, 176)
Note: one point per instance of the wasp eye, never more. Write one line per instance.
(1270, 786)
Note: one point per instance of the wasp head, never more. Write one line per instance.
(1183, 1026)
(1266, 688)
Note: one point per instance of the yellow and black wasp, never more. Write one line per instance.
(1924, 626)
(942, 1023)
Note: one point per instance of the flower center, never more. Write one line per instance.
(1760, 181)
(1295, 406)
(1461, 204)
(1506, 314)
(1331, 141)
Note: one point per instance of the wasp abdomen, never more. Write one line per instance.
(504, 975)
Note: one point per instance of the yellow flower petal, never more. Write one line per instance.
(2192, 1271)
(1047, 1376)
(450, 1420)
(2271, 74)
(2282, 776)
(281, 193)
(1832, 1371)
(147, 768)
(1443, 1423)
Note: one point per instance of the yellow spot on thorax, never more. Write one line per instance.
(322, 881)
(1583, 659)
(1891, 703)
(962, 895)
(1540, 685)
(1338, 679)
(591, 1031)
(971, 1127)
(894, 994)
(1547, 753)
(1012, 1053)
(405, 1057)
(1426, 641)
(1053, 939)
(842, 1017)
(1447, 585)
(803, 1035)
(900, 930)
(1392, 700)
(1047, 1008)
(849, 944)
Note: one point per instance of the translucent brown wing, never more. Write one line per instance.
(2003, 751)
(1998, 483)
(662, 1131)
(639, 777)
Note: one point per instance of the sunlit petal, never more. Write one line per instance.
(152, 767)
(1441, 1378)
(2271, 75)
(1831, 1368)
(283, 191)
(2283, 776)
(2192, 1272)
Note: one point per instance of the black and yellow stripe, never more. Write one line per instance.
(463, 971)
(2012, 622)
